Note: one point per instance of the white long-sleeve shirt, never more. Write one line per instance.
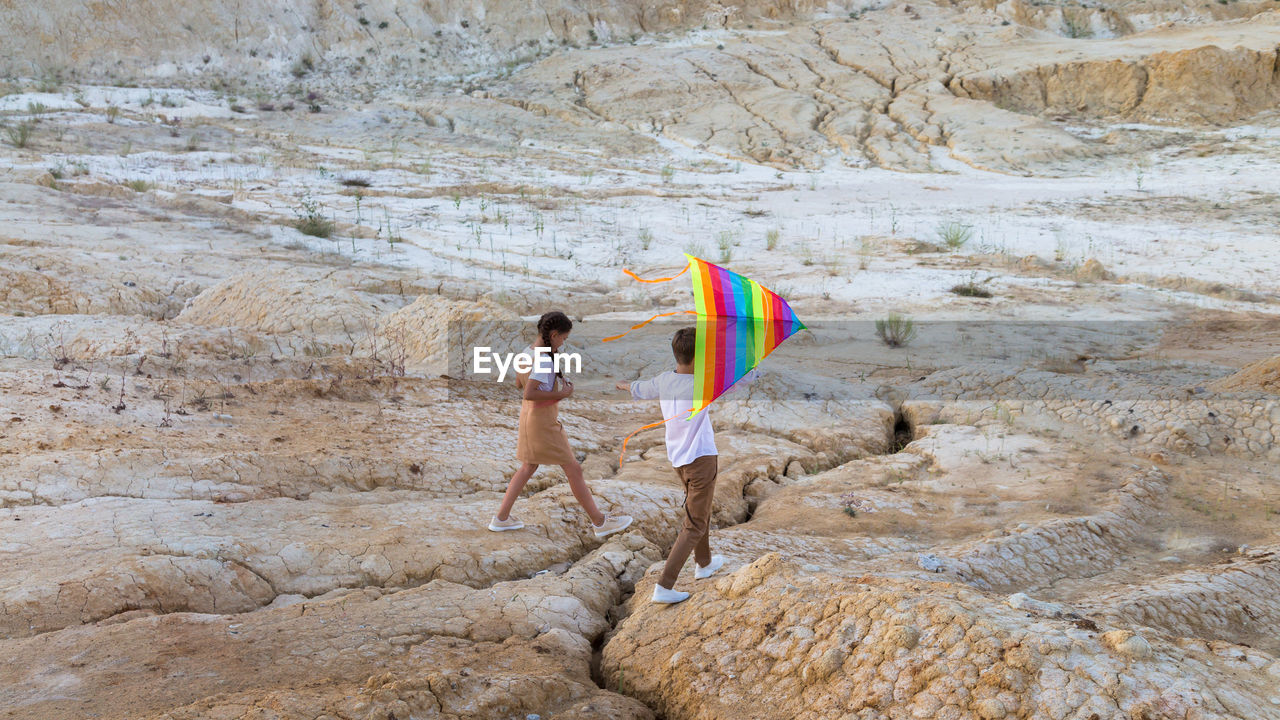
(687, 439)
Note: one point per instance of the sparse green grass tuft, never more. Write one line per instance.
(896, 330)
(311, 220)
(138, 185)
(725, 242)
(303, 66)
(19, 135)
(50, 82)
(771, 237)
(955, 235)
(646, 238)
(1076, 24)
(970, 289)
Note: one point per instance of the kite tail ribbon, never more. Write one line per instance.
(655, 317)
(623, 453)
(646, 322)
(656, 280)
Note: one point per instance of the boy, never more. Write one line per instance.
(691, 448)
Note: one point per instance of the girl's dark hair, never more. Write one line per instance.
(554, 321)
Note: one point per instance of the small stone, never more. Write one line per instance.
(830, 662)
(930, 562)
(1022, 601)
(1092, 269)
(990, 709)
(1127, 643)
(904, 636)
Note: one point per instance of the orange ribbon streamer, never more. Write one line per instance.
(657, 280)
(646, 322)
(623, 454)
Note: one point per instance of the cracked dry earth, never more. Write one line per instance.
(312, 544)
(244, 472)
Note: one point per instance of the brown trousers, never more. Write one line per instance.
(699, 478)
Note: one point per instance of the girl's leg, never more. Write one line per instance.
(515, 487)
(580, 491)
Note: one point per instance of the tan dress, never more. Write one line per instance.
(541, 439)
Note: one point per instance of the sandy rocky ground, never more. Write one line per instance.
(242, 475)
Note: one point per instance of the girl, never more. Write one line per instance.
(542, 440)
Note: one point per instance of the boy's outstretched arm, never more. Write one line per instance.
(640, 389)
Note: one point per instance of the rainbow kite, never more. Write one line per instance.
(739, 323)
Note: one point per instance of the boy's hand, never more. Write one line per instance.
(566, 390)
(623, 386)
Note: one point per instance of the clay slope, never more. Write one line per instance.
(262, 39)
(884, 89)
(1216, 74)
(1263, 375)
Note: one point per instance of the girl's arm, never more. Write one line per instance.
(534, 392)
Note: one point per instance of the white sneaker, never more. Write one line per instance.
(510, 523)
(668, 597)
(611, 525)
(717, 562)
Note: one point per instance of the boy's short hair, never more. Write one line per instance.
(682, 344)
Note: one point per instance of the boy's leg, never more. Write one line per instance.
(514, 488)
(702, 490)
(699, 479)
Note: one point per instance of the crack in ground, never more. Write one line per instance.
(614, 615)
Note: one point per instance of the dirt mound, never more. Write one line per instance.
(1263, 375)
(39, 283)
(437, 333)
(293, 301)
(32, 293)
